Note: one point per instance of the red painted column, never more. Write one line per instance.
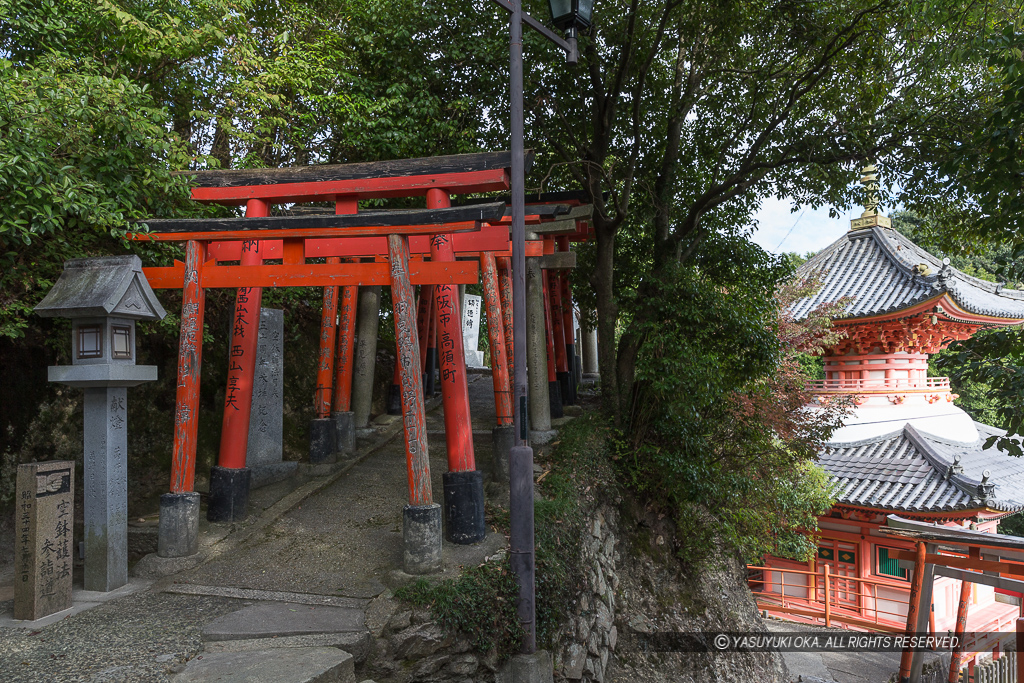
(915, 607)
(569, 319)
(234, 433)
(325, 358)
(322, 398)
(505, 281)
(558, 337)
(496, 337)
(414, 419)
(961, 626)
(548, 328)
(567, 306)
(463, 483)
(190, 357)
(452, 357)
(344, 359)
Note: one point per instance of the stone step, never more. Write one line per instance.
(277, 665)
(280, 619)
(357, 643)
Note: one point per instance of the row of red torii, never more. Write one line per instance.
(381, 247)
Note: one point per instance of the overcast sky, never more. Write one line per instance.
(779, 230)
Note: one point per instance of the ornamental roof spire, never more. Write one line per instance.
(871, 217)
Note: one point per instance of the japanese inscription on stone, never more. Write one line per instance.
(471, 330)
(43, 565)
(267, 392)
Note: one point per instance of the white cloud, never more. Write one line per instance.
(779, 230)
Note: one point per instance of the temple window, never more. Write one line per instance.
(889, 566)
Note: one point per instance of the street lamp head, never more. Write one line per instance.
(570, 15)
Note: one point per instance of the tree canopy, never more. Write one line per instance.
(681, 116)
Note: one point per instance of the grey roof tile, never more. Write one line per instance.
(914, 471)
(875, 268)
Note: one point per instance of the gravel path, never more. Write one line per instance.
(141, 637)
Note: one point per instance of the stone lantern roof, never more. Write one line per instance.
(100, 287)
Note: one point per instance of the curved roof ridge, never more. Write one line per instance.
(875, 267)
(864, 442)
(925, 434)
(952, 272)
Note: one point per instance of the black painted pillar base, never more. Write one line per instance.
(464, 507)
(395, 399)
(570, 395)
(178, 531)
(555, 399)
(321, 440)
(421, 536)
(229, 494)
(565, 387)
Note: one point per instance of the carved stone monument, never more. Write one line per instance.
(264, 454)
(44, 528)
(471, 330)
(104, 297)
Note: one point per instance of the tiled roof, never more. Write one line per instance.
(913, 471)
(875, 267)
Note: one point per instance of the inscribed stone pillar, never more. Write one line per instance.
(367, 324)
(106, 488)
(536, 349)
(44, 528)
(264, 455)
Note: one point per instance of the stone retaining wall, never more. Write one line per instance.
(588, 641)
(411, 648)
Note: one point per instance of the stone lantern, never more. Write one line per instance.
(104, 297)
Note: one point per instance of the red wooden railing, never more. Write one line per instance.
(846, 600)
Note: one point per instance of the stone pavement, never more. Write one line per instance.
(838, 667)
(292, 593)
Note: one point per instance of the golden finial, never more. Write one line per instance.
(870, 217)
(869, 179)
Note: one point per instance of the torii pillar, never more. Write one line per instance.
(463, 482)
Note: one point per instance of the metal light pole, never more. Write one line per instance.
(521, 456)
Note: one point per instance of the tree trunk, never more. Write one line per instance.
(221, 147)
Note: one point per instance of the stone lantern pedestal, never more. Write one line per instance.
(104, 297)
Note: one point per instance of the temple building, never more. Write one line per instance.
(907, 448)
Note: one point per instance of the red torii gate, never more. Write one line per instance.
(299, 236)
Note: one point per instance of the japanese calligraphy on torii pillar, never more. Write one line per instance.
(413, 417)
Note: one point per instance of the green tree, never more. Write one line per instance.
(722, 425)
(683, 115)
(81, 155)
